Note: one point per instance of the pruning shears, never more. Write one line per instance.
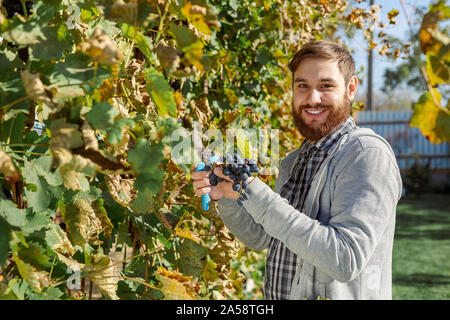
(201, 167)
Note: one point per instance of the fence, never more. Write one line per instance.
(408, 143)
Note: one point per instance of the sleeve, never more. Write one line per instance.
(365, 198)
(242, 225)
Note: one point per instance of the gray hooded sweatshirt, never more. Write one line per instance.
(343, 240)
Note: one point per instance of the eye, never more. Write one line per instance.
(326, 86)
(303, 85)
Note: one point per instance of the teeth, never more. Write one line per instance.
(314, 112)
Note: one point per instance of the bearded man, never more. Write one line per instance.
(329, 224)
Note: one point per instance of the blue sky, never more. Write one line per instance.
(400, 30)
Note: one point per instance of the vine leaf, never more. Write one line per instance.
(102, 115)
(75, 75)
(42, 185)
(175, 286)
(57, 240)
(429, 34)
(30, 31)
(36, 90)
(192, 258)
(431, 119)
(161, 93)
(36, 278)
(149, 175)
(14, 216)
(5, 237)
(101, 48)
(121, 189)
(438, 66)
(64, 136)
(101, 271)
(35, 255)
(83, 225)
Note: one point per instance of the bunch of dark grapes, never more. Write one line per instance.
(14, 7)
(238, 170)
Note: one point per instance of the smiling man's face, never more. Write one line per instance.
(321, 98)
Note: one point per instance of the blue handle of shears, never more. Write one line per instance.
(205, 197)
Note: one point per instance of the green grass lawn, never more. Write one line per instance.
(421, 255)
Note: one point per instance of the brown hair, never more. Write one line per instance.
(328, 50)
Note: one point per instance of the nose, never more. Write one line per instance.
(314, 97)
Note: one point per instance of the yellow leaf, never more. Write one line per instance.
(34, 277)
(175, 286)
(187, 233)
(431, 118)
(198, 16)
(437, 69)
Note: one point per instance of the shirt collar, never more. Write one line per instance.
(328, 141)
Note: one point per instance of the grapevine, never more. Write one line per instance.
(91, 96)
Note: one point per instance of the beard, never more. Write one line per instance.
(334, 118)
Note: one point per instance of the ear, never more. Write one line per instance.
(352, 88)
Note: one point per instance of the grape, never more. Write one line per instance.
(213, 179)
(243, 176)
(238, 170)
(14, 7)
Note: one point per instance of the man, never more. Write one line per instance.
(329, 225)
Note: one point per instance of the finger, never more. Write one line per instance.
(201, 183)
(201, 191)
(219, 172)
(197, 175)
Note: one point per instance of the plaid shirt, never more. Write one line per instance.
(281, 263)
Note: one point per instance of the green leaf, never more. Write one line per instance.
(145, 44)
(192, 258)
(36, 222)
(34, 255)
(161, 93)
(145, 162)
(76, 75)
(52, 47)
(12, 92)
(5, 236)
(31, 31)
(13, 129)
(102, 115)
(47, 190)
(115, 133)
(14, 216)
